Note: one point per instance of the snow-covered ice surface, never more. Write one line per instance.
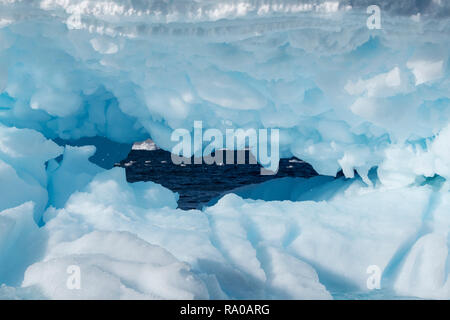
(343, 96)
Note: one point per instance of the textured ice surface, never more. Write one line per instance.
(342, 94)
(245, 248)
(344, 97)
(131, 242)
(110, 204)
(114, 271)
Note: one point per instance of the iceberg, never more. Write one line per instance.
(148, 145)
(82, 82)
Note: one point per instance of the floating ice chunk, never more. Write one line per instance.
(129, 163)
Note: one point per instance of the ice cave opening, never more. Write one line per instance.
(201, 182)
(197, 183)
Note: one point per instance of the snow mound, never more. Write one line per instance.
(114, 271)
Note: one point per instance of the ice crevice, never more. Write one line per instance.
(425, 228)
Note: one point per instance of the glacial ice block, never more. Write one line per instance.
(340, 93)
(246, 248)
(344, 97)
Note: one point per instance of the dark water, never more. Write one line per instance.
(197, 184)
